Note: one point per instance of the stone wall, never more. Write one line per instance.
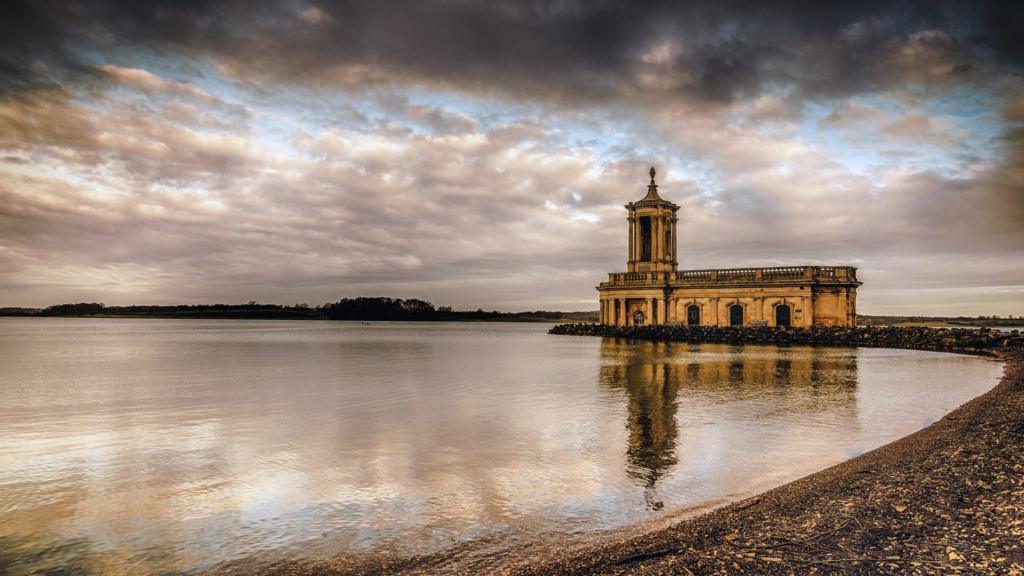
(967, 341)
(810, 305)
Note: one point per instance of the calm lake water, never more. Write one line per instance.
(152, 446)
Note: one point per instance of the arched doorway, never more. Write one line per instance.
(736, 315)
(693, 315)
(783, 315)
(638, 318)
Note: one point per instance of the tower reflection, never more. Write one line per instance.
(655, 377)
(644, 373)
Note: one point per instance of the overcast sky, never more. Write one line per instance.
(479, 154)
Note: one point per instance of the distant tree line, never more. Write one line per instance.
(250, 310)
(865, 320)
(11, 311)
(379, 309)
(363, 308)
(80, 309)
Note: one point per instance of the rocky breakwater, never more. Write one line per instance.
(965, 341)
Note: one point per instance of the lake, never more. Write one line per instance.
(145, 446)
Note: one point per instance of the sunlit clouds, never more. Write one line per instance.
(478, 155)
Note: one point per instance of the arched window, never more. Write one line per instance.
(638, 318)
(736, 315)
(693, 315)
(783, 315)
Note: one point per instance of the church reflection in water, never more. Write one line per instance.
(656, 377)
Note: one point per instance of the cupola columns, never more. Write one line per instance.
(652, 232)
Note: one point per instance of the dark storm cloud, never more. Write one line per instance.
(566, 50)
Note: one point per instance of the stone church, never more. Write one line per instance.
(654, 291)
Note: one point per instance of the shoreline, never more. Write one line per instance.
(512, 320)
(948, 498)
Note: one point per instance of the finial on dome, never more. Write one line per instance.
(652, 190)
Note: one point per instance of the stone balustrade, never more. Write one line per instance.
(728, 276)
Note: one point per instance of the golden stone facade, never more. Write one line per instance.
(652, 291)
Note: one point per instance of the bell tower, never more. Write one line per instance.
(652, 233)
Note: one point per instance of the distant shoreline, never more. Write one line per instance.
(366, 309)
(513, 319)
(371, 309)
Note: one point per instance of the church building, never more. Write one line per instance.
(653, 290)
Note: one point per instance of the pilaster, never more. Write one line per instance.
(631, 257)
